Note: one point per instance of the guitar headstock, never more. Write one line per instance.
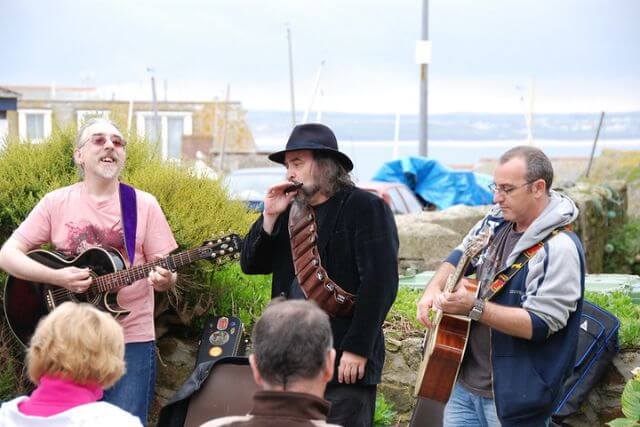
(223, 247)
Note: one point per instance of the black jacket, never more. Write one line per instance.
(358, 244)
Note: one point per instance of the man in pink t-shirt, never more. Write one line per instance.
(87, 214)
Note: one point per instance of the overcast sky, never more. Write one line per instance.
(582, 55)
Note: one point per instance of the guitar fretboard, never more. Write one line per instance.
(172, 262)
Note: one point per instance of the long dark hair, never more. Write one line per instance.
(330, 175)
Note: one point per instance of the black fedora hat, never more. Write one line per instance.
(313, 136)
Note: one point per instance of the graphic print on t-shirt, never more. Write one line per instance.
(84, 235)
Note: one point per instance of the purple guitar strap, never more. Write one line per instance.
(129, 212)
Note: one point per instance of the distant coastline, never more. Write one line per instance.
(455, 126)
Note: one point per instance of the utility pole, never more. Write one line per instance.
(423, 57)
(154, 102)
(293, 100)
(593, 147)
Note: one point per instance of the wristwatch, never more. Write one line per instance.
(476, 311)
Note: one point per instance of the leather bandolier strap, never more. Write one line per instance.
(312, 277)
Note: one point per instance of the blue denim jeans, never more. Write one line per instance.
(466, 409)
(134, 391)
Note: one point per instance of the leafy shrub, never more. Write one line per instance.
(616, 164)
(385, 413)
(621, 305)
(624, 247)
(630, 403)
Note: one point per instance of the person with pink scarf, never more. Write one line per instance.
(75, 353)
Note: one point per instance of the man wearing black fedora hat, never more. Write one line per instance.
(326, 240)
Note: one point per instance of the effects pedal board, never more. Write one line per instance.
(222, 337)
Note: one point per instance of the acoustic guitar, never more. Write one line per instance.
(444, 345)
(25, 302)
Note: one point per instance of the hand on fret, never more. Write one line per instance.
(162, 279)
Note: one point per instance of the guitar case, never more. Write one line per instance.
(221, 383)
(215, 389)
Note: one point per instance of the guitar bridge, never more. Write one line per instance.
(49, 301)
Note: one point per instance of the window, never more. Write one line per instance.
(173, 126)
(84, 115)
(150, 129)
(175, 130)
(34, 125)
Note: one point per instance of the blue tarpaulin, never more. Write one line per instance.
(436, 183)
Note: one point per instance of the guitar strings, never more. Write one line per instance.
(127, 276)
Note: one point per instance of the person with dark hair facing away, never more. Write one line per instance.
(526, 316)
(75, 353)
(292, 365)
(326, 240)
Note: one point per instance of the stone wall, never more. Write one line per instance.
(602, 209)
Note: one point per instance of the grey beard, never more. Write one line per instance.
(306, 194)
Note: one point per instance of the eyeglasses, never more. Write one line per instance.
(505, 190)
(100, 140)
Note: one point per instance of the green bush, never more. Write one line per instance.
(621, 305)
(630, 403)
(385, 413)
(624, 247)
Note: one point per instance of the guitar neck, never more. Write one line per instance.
(454, 278)
(125, 277)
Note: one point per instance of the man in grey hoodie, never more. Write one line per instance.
(523, 338)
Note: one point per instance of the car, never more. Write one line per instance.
(250, 185)
(398, 196)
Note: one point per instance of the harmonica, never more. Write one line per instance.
(293, 187)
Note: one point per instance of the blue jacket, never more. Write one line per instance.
(528, 374)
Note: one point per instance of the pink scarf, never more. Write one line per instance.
(54, 395)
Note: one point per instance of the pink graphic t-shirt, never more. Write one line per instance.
(73, 222)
